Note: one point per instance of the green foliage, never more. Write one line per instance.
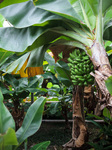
(19, 88)
(30, 126)
(104, 137)
(75, 20)
(9, 139)
(4, 56)
(41, 146)
(63, 72)
(6, 3)
(42, 19)
(6, 120)
(63, 96)
(57, 87)
(70, 23)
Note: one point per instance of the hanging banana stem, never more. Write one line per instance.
(79, 130)
(102, 70)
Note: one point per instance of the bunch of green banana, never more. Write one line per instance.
(80, 67)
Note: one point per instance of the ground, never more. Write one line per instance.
(57, 134)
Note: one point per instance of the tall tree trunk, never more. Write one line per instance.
(102, 72)
(79, 130)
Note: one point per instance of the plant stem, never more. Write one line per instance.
(25, 144)
(32, 98)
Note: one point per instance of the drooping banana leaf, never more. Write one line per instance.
(59, 7)
(34, 59)
(63, 73)
(26, 14)
(17, 64)
(32, 37)
(89, 14)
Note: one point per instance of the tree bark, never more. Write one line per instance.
(102, 72)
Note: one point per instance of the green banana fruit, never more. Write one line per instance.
(80, 67)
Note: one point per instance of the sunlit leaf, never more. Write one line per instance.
(9, 138)
(1, 20)
(4, 3)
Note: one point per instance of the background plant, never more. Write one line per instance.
(9, 139)
(104, 137)
(15, 90)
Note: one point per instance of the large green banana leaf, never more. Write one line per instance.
(6, 120)
(80, 11)
(20, 39)
(60, 7)
(35, 58)
(87, 13)
(90, 12)
(32, 120)
(32, 15)
(16, 64)
(7, 126)
(26, 14)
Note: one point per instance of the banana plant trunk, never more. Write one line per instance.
(102, 72)
(79, 130)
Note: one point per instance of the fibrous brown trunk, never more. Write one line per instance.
(79, 130)
(102, 72)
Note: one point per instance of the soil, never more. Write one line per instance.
(57, 134)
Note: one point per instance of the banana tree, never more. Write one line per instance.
(39, 25)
